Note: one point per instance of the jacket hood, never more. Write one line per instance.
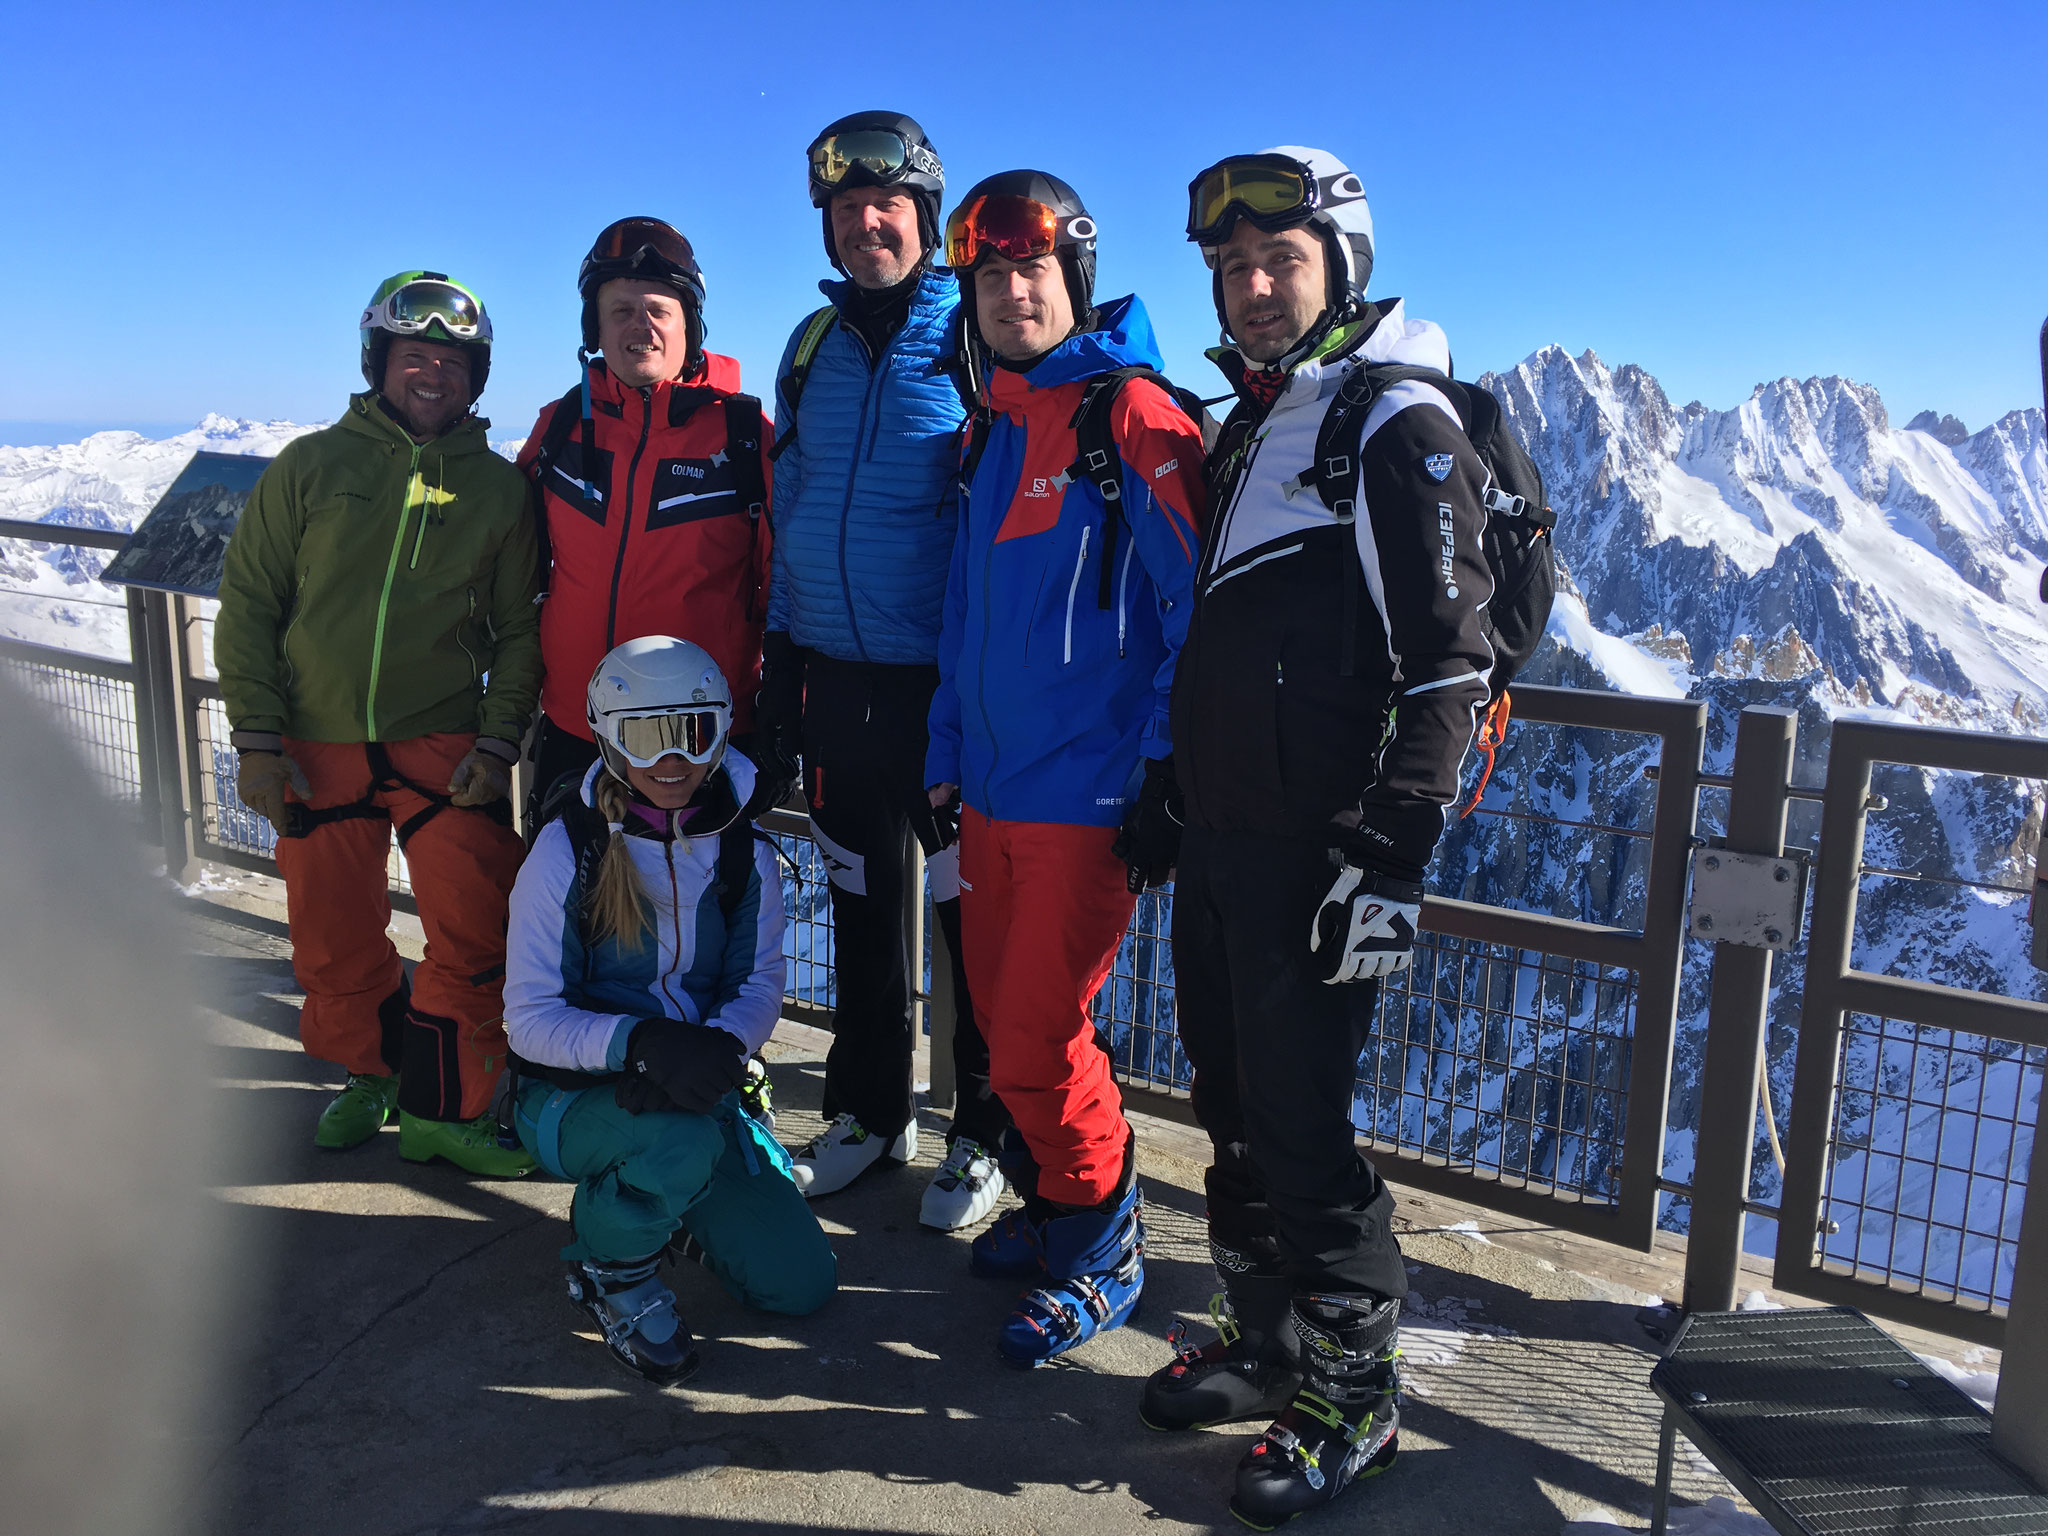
(1122, 338)
(1386, 335)
(717, 373)
(367, 418)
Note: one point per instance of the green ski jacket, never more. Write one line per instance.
(373, 581)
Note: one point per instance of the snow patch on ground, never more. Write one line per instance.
(1719, 1516)
(1980, 1386)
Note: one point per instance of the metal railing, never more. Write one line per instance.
(1524, 1061)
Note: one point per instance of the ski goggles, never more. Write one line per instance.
(1015, 228)
(881, 155)
(645, 248)
(426, 302)
(697, 734)
(1274, 191)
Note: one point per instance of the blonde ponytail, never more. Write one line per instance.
(616, 904)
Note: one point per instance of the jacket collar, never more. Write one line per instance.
(937, 291)
(1384, 334)
(717, 377)
(366, 417)
(1122, 338)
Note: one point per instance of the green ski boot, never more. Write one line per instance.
(471, 1145)
(356, 1113)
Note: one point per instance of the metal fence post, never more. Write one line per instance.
(145, 716)
(913, 930)
(1737, 1008)
(2019, 1424)
(161, 677)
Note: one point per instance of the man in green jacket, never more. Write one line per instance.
(382, 569)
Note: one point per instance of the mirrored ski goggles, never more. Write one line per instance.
(1016, 228)
(644, 242)
(883, 154)
(1273, 191)
(644, 740)
(426, 302)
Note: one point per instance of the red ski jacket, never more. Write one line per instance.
(654, 533)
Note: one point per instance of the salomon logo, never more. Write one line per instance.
(1040, 487)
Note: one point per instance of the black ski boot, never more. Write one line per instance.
(1342, 1424)
(1248, 1371)
(637, 1315)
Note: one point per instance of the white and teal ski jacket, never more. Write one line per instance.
(571, 1004)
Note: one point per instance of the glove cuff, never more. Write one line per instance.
(256, 741)
(504, 751)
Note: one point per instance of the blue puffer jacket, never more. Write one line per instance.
(865, 497)
(1052, 686)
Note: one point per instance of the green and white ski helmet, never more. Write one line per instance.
(433, 307)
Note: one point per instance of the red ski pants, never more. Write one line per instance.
(449, 1045)
(1042, 910)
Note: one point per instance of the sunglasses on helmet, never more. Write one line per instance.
(426, 302)
(884, 155)
(697, 734)
(1016, 228)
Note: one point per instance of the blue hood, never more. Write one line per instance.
(1122, 339)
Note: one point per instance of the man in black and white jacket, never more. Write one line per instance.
(1334, 669)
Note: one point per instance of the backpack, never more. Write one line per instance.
(742, 446)
(1096, 459)
(1519, 520)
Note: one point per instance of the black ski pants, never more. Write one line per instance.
(1275, 1053)
(865, 736)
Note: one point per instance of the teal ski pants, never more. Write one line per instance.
(718, 1176)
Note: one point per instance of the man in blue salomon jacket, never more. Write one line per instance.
(867, 422)
(1065, 612)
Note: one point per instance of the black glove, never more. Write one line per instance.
(671, 1064)
(945, 825)
(1149, 841)
(773, 778)
(779, 710)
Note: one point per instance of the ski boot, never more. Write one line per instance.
(1250, 1370)
(1013, 1246)
(757, 1094)
(637, 1316)
(845, 1150)
(964, 1190)
(356, 1113)
(1095, 1273)
(471, 1145)
(1344, 1422)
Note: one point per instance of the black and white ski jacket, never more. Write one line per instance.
(1335, 667)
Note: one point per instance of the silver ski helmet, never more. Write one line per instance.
(1288, 187)
(654, 697)
(877, 149)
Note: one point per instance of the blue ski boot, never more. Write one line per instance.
(1343, 1424)
(1014, 1246)
(1095, 1273)
(636, 1313)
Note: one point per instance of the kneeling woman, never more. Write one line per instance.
(644, 966)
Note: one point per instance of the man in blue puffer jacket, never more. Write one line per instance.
(1064, 621)
(867, 422)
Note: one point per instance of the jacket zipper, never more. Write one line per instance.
(474, 671)
(611, 617)
(291, 672)
(425, 507)
(988, 808)
(860, 433)
(675, 909)
(1123, 589)
(1081, 559)
(412, 482)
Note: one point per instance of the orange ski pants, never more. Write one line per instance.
(447, 1043)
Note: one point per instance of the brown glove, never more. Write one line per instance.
(260, 780)
(484, 774)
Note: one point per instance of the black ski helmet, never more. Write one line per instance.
(1074, 242)
(922, 176)
(654, 251)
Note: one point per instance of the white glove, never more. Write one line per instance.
(1365, 927)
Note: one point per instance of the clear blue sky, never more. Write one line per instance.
(198, 199)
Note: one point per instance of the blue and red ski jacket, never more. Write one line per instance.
(1049, 699)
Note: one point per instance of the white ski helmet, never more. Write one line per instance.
(657, 696)
(1338, 212)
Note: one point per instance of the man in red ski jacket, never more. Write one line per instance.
(653, 476)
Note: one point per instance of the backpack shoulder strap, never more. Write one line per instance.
(735, 864)
(561, 426)
(743, 447)
(791, 385)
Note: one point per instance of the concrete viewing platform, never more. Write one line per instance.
(403, 1361)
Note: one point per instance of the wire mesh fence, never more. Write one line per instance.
(1927, 1160)
(95, 711)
